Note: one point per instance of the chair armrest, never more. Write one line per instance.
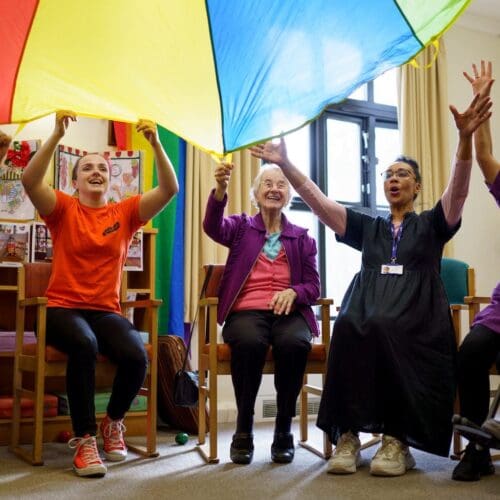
(458, 307)
(208, 301)
(142, 304)
(477, 300)
(33, 301)
(324, 302)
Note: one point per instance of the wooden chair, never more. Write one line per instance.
(459, 281)
(34, 363)
(474, 304)
(214, 359)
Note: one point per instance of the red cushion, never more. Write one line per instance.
(53, 355)
(317, 352)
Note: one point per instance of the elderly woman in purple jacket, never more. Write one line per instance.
(265, 297)
(481, 347)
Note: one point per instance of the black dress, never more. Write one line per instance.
(391, 366)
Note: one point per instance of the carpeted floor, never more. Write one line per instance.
(180, 473)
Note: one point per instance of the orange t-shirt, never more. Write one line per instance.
(89, 250)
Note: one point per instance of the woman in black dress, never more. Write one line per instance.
(392, 355)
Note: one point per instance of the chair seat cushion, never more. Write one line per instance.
(317, 352)
(53, 355)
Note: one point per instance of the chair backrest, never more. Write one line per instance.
(458, 279)
(212, 287)
(36, 281)
(36, 278)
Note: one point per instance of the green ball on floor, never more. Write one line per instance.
(181, 438)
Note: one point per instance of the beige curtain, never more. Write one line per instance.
(423, 121)
(199, 248)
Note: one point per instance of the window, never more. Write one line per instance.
(344, 151)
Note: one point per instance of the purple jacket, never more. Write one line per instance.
(490, 315)
(245, 236)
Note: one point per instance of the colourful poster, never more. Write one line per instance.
(14, 243)
(14, 202)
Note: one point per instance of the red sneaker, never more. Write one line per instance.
(86, 461)
(112, 434)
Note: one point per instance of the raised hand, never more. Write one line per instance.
(63, 118)
(271, 152)
(149, 129)
(222, 176)
(482, 80)
(477, 112)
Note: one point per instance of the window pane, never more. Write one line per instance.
(361, 93)
(342, 262)
(298, 149)
(387, 148)
(385, 88)
(306, 219)
(343, 160)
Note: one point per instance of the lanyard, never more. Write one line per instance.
(396, 238)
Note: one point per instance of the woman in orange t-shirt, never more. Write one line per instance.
(90, 241)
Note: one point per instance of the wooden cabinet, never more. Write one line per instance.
(141, 283)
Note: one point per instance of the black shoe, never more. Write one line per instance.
(241, 451)
(474, 464)
(282, 449)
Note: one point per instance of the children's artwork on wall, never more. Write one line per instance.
(41, 243)
(134, 256)
(14, 202)
(125, 169)
(14, 242)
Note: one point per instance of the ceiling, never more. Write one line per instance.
(482, 15)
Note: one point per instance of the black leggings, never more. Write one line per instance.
(478, 352)
(81, 334)
(249, 334)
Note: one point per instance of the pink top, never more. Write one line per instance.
(267, 277)
(334, 215)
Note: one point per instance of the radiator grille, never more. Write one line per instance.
(270, 409)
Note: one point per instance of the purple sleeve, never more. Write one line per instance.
(495, 189)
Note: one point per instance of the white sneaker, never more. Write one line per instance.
(346, 456)
(393, 458)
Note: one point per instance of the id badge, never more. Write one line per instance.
(391, 269)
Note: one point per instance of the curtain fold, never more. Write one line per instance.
(199, 249)
(423, 122)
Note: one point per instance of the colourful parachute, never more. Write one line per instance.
(222, 74)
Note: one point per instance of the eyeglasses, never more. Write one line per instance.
(400, 173)
(270, 184)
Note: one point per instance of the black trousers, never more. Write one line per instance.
(81, 334)
(249, 334)
(478, 352)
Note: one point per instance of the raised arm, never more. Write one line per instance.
(155, 199)
(481, 84)
(40, 193)
(329, 212)
(456, 191)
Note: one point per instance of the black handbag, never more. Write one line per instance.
(186, 381)
(186, 388)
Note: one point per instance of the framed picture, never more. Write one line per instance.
(41, 243)
(14, 202)
(134, 261)
(125, 169)
(14, 242)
